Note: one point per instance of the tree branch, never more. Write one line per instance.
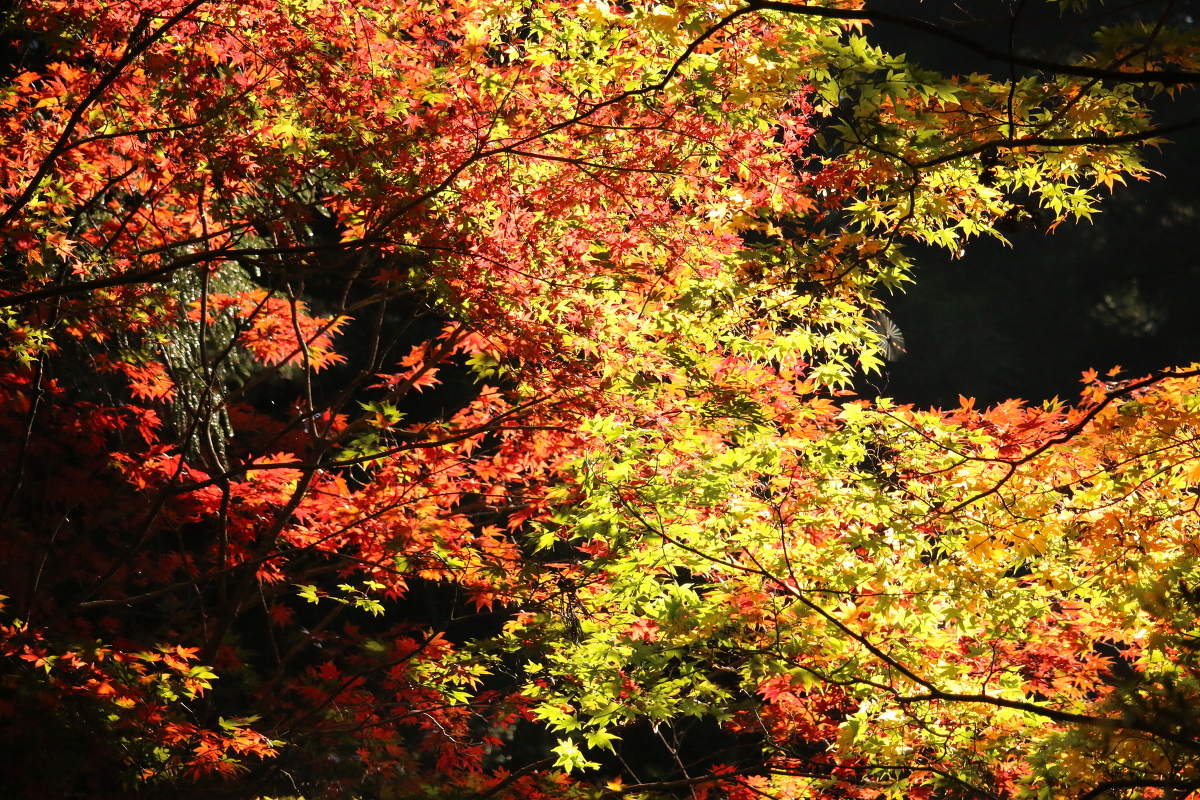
(1165, 77)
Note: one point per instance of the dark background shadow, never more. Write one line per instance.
(1026, 320)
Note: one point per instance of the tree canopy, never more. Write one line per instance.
(453, 399)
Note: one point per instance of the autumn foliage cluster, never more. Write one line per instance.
(404, 398)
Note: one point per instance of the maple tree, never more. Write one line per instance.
(423, 399)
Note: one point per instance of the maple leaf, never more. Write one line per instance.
(608, 231)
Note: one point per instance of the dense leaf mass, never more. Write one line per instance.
(450, 399)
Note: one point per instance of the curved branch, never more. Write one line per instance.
(1050, 141)
(124, 279)
(1106, 787)
(1165, 77)
(1070, 433)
